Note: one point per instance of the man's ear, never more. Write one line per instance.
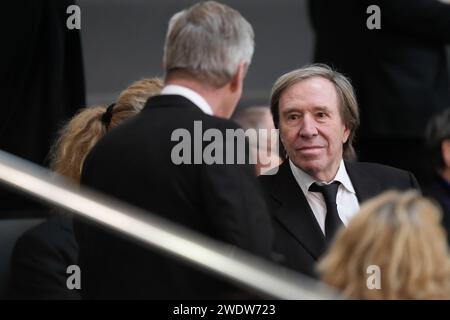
(237, 80)
(346, 135)
(445, 149)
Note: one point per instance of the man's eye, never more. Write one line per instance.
(321, 114)
(292, 117)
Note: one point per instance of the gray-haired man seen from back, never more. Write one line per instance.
(208, 49)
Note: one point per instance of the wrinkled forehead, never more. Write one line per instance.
(310, 93)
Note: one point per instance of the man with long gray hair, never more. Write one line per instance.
(319, 187)
(208, 49)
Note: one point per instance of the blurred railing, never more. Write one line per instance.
(223, 260)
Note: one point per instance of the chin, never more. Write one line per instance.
(311, 170)
(309, 166)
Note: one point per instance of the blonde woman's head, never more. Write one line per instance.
(401, 234)
(89, 125)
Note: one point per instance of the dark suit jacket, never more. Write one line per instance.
(133, 163)
(400, 72)
(298, 236)
(40, 260)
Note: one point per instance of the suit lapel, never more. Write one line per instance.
(295, 213)
(365, 185)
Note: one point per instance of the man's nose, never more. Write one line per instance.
(308, 127)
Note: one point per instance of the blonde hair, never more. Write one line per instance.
(401, 234)
(84, 130)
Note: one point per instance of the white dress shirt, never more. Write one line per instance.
(346, 200)
(189, 94)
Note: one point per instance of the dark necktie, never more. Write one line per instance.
(332, 220)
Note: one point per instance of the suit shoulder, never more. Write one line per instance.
(391, 176)
(49, 235)
(220, 123)
(379, 169)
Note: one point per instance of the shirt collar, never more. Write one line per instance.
(189, 94)
(304, 180)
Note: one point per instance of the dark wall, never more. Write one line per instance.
(123, 41)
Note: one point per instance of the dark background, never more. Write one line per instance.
(123, 41)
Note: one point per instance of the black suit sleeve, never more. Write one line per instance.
(428, 19)
(39, 262)
(241, 216)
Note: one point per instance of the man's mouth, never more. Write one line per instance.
(306, 148)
